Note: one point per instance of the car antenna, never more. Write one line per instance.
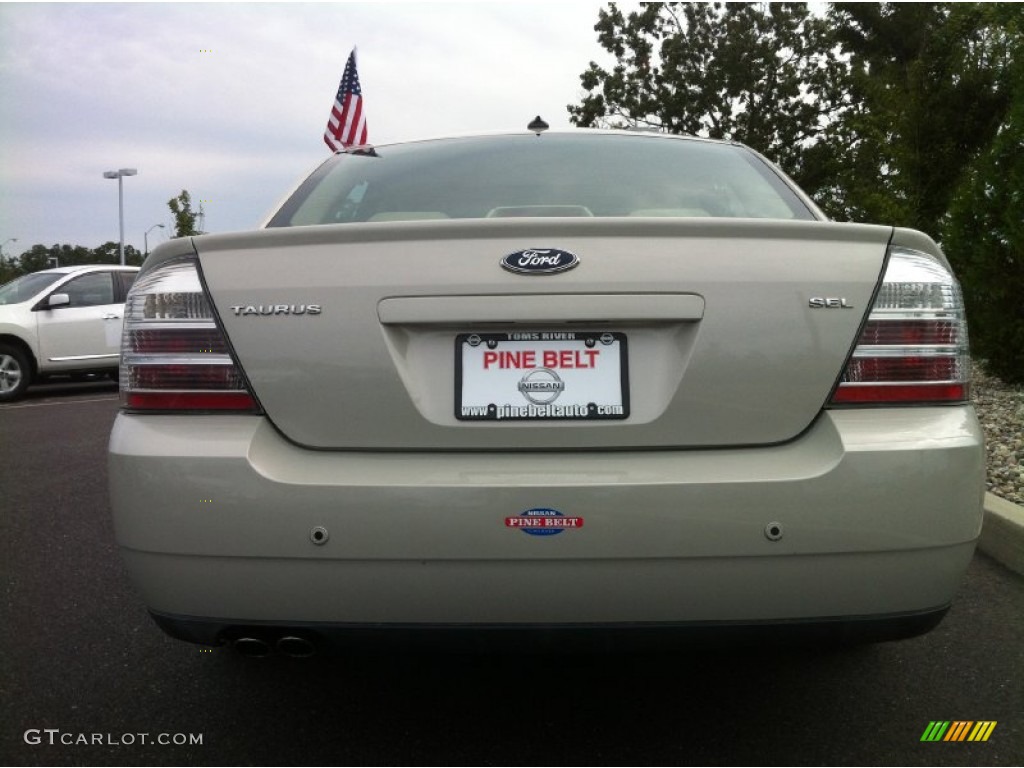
(537, 125)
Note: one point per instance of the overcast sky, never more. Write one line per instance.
(230, 100)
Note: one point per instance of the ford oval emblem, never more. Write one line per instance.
(539, 261)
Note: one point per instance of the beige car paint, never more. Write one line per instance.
(682, 532)
(754, 368)
(730, 494)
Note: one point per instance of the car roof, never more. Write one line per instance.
(635, 132)
(84, 268)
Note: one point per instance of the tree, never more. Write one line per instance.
(40, 256)
(764, 74)
(184, 217)
(928, 90)
(9, 269)
(109, 253)
(984, 235)
(876, 110)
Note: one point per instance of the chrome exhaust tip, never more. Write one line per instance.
(252, 647)
(296, 647)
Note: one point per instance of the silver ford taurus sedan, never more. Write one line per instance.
(546, 385)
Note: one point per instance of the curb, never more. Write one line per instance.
(1002, 534)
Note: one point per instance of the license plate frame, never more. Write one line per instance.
(497, 379)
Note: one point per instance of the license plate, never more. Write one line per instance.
(541, 376)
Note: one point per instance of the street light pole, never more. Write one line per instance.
(145, 237)
(119, 175)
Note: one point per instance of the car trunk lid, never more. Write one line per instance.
(716, 332)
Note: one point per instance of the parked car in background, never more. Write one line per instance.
(65, 320)
(564, 381)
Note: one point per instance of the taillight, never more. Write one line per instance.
(174, 355)
(913, 349)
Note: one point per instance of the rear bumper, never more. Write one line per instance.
(878, 510)
(556, 638)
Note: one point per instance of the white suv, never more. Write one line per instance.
(63, 320)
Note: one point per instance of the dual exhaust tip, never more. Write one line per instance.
(288, 645)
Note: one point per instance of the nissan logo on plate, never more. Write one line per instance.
(539, 261)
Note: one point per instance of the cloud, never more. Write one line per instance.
(230, 100)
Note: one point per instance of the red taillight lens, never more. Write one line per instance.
(913, 332)
(189, 401)
(188, 341)
(905, 394)
(174, 355)
(913, 349)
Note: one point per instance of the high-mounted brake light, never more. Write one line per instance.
(913, 349)
(174, 355)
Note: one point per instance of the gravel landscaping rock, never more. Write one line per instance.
(1000, 410)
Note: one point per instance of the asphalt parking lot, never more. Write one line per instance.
(81, 659)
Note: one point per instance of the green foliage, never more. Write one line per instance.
(984, 236)
(764, 74)
(40, 257)
(8, 270)
(184, 217)
(108, 253)
(875, 110)
(928, 89)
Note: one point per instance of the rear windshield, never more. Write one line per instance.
(547, 175)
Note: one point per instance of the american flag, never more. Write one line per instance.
(347, 126)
